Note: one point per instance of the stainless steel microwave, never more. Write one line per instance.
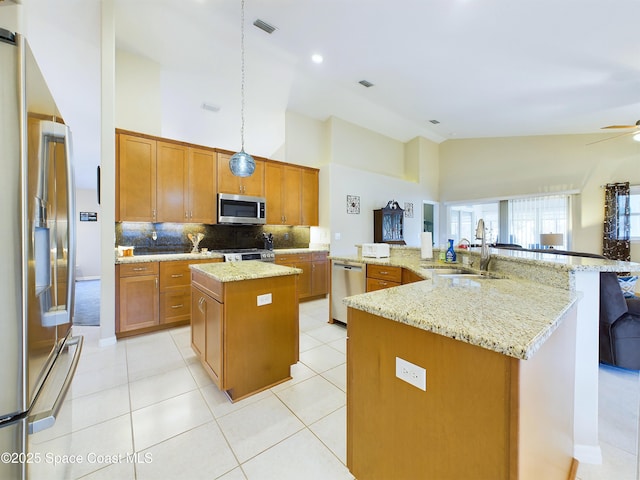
(241, 209)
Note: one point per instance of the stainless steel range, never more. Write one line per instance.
(241, 254)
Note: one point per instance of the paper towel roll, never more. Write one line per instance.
(426, 245)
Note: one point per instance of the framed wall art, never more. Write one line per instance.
(353, 204)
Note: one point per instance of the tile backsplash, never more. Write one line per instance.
(173, 237)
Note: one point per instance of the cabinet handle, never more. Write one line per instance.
(139, 269)
(153, 213)
(156, 283)
(177, 306)
(201, 304)
(383, 272)
(177, 275)
(186, 215)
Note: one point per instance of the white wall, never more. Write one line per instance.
(501, 167)
(88, 236)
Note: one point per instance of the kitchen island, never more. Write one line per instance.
(508, 366)
(244, 324)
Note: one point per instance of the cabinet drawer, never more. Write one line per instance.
(374, 284)
(174, 275)
(319, 256)
(132, 269)
(292, 258)
(383, 272)
(175, 305)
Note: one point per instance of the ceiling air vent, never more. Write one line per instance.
(366, 83)
(435, 122)
(210, 107)
(264, 26)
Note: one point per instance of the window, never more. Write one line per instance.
(634, 209)
(464, 218)
(518, 221)
(530, 217)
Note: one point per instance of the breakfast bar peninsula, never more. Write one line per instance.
(472, 375)
(244, 324)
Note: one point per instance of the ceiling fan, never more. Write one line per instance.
(635, 130)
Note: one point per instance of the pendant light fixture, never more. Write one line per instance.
(242, 164)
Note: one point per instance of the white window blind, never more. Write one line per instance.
(529, 217)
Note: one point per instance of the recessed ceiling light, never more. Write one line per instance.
(317, 58)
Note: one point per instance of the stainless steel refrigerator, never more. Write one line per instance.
(38, 355)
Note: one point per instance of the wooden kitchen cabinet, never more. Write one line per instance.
(153, 295)
(206, 332)
(319, 274)
(202, 204)
(291, 193)
(138, 293)
(383, 276)
(135, 178)
(229, 183)
(283, 192)
(172, 182)
(244, 346)
(314, 279)
(164, 181)
(310, 189)
(303, 262)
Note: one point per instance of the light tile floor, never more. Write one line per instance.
(149, 396)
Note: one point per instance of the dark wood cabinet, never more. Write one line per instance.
(388, 224)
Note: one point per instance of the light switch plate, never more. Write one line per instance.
(412, 374)
(264, 299)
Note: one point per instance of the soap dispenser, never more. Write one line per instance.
(451, 254)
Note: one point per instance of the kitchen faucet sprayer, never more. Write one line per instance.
(484, 248)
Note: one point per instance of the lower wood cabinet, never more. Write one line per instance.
(153, 295)
(314, 280)
(245, 346)
(383, 276)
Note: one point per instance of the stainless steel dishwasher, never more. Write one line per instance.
(347, 278)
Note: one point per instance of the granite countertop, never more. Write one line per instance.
(248, 270)
(512, 317)
(512, 311)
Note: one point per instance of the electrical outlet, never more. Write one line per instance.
(412, 374)
(264, 299)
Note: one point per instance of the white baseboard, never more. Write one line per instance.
(588, 454)
(80, 279)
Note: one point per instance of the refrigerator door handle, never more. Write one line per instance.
(45, 419)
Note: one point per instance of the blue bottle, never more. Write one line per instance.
(451, 254)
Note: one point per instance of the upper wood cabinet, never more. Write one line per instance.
(172, 172)
(229, 183)
(292, 194)
(310, 189)
(201, 190)
(135, 179)
(283, 192)
(162, 181)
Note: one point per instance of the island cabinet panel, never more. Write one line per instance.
(483, 414)
(245, 347)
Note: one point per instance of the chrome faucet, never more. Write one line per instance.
(484, 247)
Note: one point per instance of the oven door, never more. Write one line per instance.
(241, 209)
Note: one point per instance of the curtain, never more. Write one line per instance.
(616, 231)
